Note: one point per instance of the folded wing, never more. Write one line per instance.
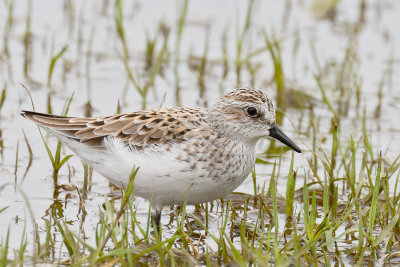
(139, 129)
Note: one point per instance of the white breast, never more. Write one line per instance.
(160, 174)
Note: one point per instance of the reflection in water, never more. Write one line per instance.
(332, 63)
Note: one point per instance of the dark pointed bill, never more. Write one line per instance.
(277, 133)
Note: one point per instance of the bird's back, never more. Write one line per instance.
(138, 129)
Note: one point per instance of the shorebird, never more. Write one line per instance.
(183, 154)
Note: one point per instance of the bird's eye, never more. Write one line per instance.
(251, 112)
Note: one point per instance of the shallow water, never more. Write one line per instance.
(91, 68)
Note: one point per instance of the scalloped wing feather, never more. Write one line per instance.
(139, 129)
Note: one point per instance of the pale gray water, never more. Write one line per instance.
(375, 45)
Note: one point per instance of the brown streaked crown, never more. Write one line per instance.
(250, 95)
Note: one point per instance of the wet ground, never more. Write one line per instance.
(59, 48)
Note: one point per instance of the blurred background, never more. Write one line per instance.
(332, 68)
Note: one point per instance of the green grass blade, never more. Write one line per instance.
(387, 230)
(53, 62)
(374, 201)
(290, 186)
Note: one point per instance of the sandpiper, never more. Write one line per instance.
(192, 154)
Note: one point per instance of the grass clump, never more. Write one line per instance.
(337, 204)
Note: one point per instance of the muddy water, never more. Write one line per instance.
(312, 40)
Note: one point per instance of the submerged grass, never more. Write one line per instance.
(181, 22)
(54, 59)
(240, 41)
(3, 97)
(274, 50)
(341, 208)
(151, 71)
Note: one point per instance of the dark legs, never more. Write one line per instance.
(156, 215)
(156, 218)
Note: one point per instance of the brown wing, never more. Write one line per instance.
(139, 128)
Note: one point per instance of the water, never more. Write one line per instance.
(92, 69)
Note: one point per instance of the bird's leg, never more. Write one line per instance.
(156, 214)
